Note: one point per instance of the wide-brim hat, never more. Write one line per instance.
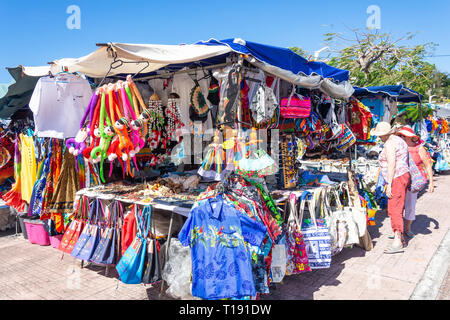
(382, 129)
(407, 131)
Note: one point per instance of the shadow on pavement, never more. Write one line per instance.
(423, 224)
(303, 286)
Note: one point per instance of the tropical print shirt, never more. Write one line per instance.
(219, 237)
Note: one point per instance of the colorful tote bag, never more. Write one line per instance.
(348, 139)
(106, 250)
(418, 181)
(75, 227)
(295, 106)
(89, 238)
(131, 265)
(316, 237)
(297, 259)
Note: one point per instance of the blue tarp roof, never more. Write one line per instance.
(399, 92)
(282, 58)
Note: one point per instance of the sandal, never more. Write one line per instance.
(391, 249)
(410, 234)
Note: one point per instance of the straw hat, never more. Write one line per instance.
(382, 129)
(407, 131)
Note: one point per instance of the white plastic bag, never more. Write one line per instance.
(177, 271)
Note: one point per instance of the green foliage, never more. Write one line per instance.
(300, 52)
(375, 59)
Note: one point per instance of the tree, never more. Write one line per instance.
(300, 52)
(375, 59)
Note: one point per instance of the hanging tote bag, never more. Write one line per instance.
(75, 227)
(331, 120)
(152, 269)
(86, 244)
(359, 214)
(106, 251)
(129, 230)
(348, 139)
(347, 216)
(295, 106)
(297, 259)
(337, 226)
(317, 238)
(131, 265)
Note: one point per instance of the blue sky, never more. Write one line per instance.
(35, 32)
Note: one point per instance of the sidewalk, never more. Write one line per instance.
(359, 275)
(33, 272)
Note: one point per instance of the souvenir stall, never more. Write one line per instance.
(130, 155)
(434, 133)
(394, 104)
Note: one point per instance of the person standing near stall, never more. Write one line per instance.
(423, 162)
(394, 168)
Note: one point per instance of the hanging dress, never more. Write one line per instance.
(66, 186)
(28, 170)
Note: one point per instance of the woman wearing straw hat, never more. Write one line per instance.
(394, 167)
(423, 162)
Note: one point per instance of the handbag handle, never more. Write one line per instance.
(346, 189)
(292, 206)
(303, 199)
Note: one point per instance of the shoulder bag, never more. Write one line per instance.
(295, 106)
(131, 266)
(75, 228)
(86, 244)
(297, 259)
(317, 238)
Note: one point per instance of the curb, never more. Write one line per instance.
(434, 276)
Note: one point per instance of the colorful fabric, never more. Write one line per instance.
(221, 263)
(28, 167)
(66, 187)
(360, 120)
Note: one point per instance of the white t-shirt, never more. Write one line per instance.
(58, 105)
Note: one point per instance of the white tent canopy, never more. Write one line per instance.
(98, 63)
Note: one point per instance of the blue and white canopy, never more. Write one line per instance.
(280, 62)
(399, 93)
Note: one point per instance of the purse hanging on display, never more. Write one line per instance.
(106, 250)
(347, 215)
(152, 269)
(331, 120)
(337, 224)
(89, 238)
(131, 266)
(316, 237)
(129, 229)
(75, 227)
(295, 106)
(358, 213)
(297, 259)
(348, 139)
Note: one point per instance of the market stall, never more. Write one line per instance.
(131, 132)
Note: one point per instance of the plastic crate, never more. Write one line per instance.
(22, 226)
(37, 234)
(55, 241)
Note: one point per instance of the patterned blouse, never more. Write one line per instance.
(401, 158)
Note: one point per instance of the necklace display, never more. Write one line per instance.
(174, 123)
